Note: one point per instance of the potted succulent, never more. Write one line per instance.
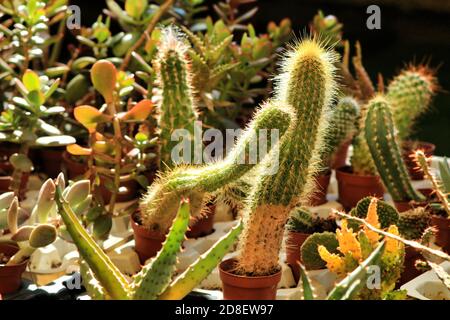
(300, 226)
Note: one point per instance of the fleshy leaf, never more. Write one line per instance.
(89, 117)
(139, 112)
(104, 77)
(78, 150)
(31, 81)
(55, 141)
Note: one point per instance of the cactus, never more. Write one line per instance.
(387, 214)
(354, 248)
(379, 133)
(310, 255)
(177, 109)
(341, 128)
(409, 95)
(160, 204)
(104, 280)
(301, 220)
(413, 223)
(307, 84)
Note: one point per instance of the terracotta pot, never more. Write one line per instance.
(352, 187)
(51, 160)
(408, 148)
(237, 287)
(410, 272)
(403, 206)
(319, 196)
(294, 242)
(340, 157)
(443, 236)
(5, 180)
(203, 226)
(131, 193)
(73, 168)
(11, 276)
(147, 243)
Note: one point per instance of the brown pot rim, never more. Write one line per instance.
(144, 232)
(15, 267)
(246, 281)
(347, 171)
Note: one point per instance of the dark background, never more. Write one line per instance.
(411, 30)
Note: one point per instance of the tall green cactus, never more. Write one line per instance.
(177, 109)
(104, 280)
(307, 84)
(380, 136)
(410, 95)
(160, 204)
(341, 128)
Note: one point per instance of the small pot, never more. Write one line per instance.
(319, 195)
(51, 160)
(11, 276)
(73, 168)
(442, 224)
(237, 287)
(403, 206)
(147, 243)
(408, 148)
(353, 187)
(294, 242)
(340, 156)
(203, 226)
(410, 271)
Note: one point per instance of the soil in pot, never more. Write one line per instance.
(147, 243)
(294, 242)
(353, 187)
(410, 271)
(202, 226)
(442, 224)
(236, 287)
(51, 160)
(408, 148)
(340, 157)
(10, 276)
(319, 195)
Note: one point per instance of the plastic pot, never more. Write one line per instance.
(294, 242)
(236, 287)
(408, 148)
(147, 243)
(11, 276)
(443, 235)
(202, 226)
(319, 195)
(353, 187)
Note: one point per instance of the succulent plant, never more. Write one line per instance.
(355, 247)
(413, 223)
(160, 204)
(301, 220)
(306, 83)
(328, 27)
(410, 95)
(387, 214)
(310, 255)
(380, 136)
(104, 281)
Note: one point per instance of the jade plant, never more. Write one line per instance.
(103, 280)
(380, 137)
(355, 246)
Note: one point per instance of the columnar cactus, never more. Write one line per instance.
(307, 84)
(161, 202)
(177, 109)
(410, 94)
(380, 136)
(154, 281)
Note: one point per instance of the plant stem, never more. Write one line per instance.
(117, 156)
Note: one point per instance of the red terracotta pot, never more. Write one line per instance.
(319, 196)
(340, 157)
(410, 272)
(403, 206)
(202, 226)
(51, 160)
(352, 187)
(237, 287)
(443, 235)
(147, 243)
(11, 276)
(408, 148)
(294, 242)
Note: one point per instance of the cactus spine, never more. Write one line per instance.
(379, 133)
(160, 204)
(177, 109)
(387, 214)
(413, 223)
(307, 84)
(104, 280)
(410, 94)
